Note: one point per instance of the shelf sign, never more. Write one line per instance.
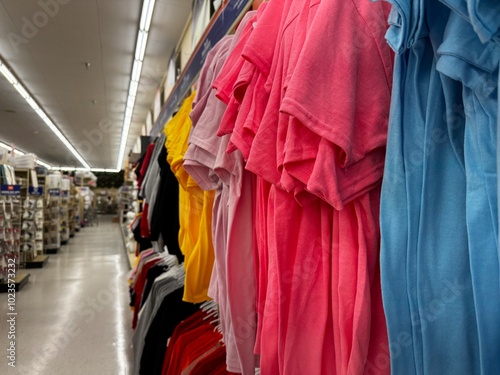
(54, 192)
(222, 25)
(36, 191)
(11, 190)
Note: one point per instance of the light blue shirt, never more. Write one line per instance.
(426, 279)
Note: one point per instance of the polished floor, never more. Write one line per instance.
(73, 317)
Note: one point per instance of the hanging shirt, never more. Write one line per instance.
(233, 281)
(164, 285)
(466, 59)
(356, 138)
(195, 210)
(426, 281)
(485, 18)
(165, 214)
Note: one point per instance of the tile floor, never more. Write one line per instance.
(73, 317)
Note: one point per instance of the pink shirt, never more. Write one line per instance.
(335, 145)
(352, 117)
(225, 80)
(266, 154)
(233, 281)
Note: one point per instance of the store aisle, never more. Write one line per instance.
(73, 316)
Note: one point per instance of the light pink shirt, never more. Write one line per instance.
(233, 281)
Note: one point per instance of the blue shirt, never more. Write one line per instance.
(426, 278)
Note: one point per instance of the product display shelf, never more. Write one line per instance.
(11, 275)
(78, 210)
(52, 235)
(32, 245)
(72, 211)
(27, 218)
(40, 258)
(87, 207)
(64, 217)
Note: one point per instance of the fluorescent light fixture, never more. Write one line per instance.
(69, 169)
(132, 91)
(128, 112)
(33, 104)
(7, 74)
(131, 101)
(43, 164)
(21, 90)
(148, 7)
(136, 70)
(40, 112)
(140, 48)
(104, 170)
(51, 125)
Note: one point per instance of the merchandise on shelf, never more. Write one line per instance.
(78, 202)
(87, 207)
(32, 214)
(64, 209)
(72, 210)
(10, 228)
(36, 195)
(52, 235)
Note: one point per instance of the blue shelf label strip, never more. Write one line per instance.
(10, 190)
(221, 27)
(54, 192)
(36, 191)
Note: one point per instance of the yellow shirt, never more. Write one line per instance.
(195, 210)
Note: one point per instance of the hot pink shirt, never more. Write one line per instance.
(348, 108)
(335, 145)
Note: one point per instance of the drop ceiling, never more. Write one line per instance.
(87, 103)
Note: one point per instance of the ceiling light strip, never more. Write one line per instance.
(136, 70)
(73, 169)
(140, 51)
(43, 164)
(147, 14)
(48, 166)
(7, 74)
(40, 112)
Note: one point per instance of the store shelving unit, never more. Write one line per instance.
(10, 236)
(72, 211)
(64, 210)
(52, 232)
(37, 194)
(27, 217)
(32, 219)
(52, 235)
(79, 210)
